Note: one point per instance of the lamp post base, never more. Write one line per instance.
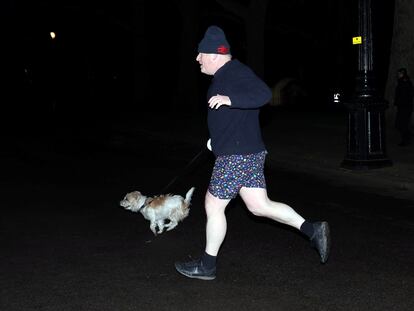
(366, 148)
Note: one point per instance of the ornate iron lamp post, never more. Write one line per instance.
(366, 147)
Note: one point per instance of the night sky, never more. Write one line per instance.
(89, 67)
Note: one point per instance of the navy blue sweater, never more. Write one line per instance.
(235, 129)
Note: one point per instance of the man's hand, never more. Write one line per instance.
(216, 101)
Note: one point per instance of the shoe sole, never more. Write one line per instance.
(327, 233)
(204, 278)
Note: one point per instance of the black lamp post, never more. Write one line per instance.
(366, 118)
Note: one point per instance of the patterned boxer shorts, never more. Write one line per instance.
(232, 172)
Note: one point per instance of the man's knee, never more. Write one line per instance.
(256, 200)
(255, 204)
(256, 208)
(213, 204)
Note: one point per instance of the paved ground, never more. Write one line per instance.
(316, 143)
(67, 245)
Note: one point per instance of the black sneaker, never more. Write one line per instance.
(321, 239)
(194, 269)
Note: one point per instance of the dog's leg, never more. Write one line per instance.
(160, 224)
(167, 225)
(172, 224)
(153, 228)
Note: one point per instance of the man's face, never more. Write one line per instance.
(206, 62)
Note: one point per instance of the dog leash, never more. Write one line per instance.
(186, 168)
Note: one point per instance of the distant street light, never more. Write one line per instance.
(366, 120)
(53, 73)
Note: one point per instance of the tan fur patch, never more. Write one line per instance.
(184, 205)
(157, 202)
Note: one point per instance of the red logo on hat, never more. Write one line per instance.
(222, 49)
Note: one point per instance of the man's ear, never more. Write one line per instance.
(214, 57)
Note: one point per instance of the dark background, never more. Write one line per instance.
(88, 73)
(92, 115)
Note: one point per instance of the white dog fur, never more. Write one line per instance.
(159, 208)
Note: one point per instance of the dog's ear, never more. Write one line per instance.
(133, 195)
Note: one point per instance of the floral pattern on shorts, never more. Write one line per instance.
(232, 172)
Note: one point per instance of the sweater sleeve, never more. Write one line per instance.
(248, 93)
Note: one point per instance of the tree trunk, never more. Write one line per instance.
(402, 49)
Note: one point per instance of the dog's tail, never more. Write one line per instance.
(188, 196)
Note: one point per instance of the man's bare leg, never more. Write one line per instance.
(259, 204)
(216, 227)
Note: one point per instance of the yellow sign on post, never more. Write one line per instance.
(357, 40)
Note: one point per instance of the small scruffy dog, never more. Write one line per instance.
(159, 208)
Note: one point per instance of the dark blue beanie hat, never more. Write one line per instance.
(214, 42)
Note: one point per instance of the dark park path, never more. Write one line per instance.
(66, 244)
